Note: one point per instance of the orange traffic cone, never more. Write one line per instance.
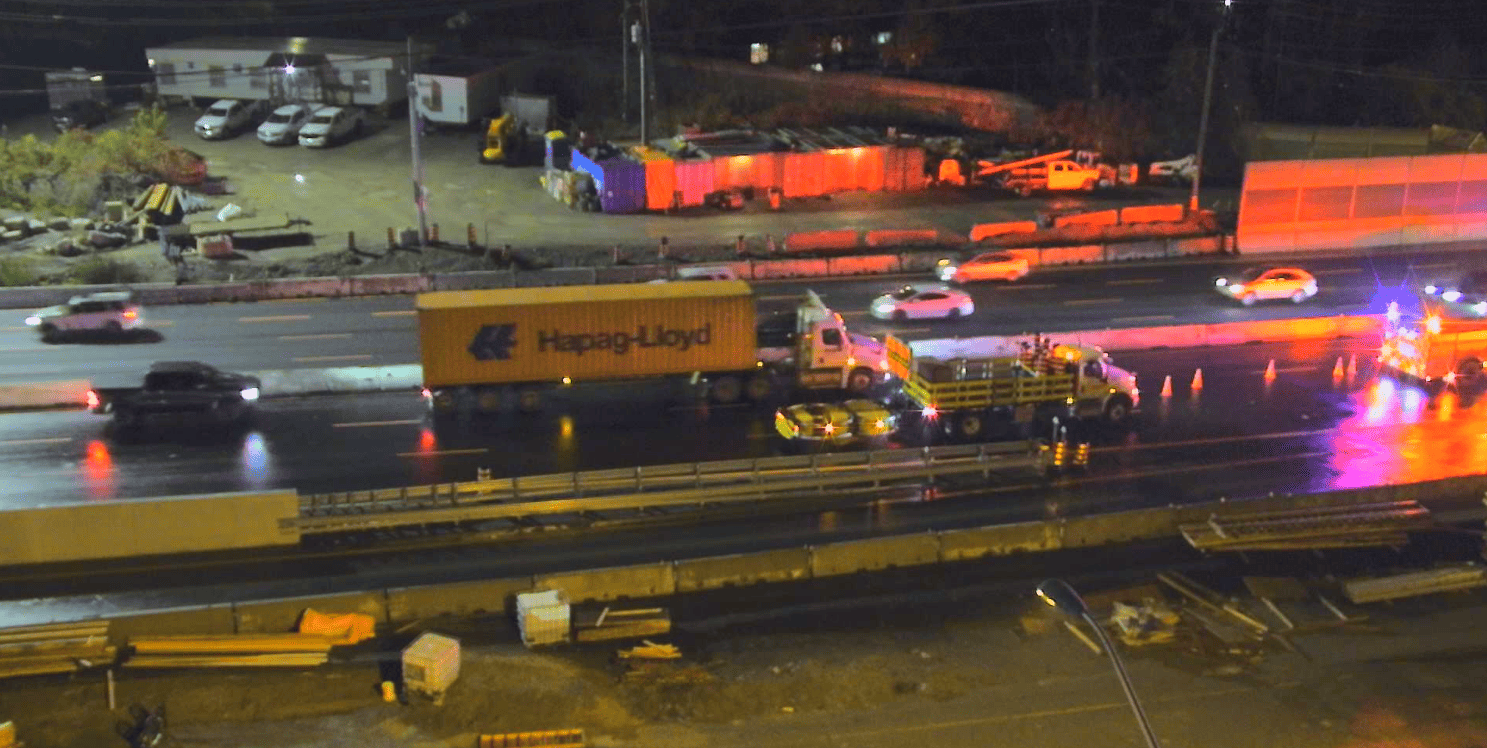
(1197, 379)
(1353, 366)
(1270, 371)
(1167, 386)
(1337, 371)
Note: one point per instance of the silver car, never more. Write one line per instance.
(111, 311)
(284, 124)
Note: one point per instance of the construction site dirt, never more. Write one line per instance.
(963, 668)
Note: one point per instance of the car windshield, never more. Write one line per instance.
(1250, 274)
(278, 118)
(990, 258)
(322, 119)
(221, 110)
(907, 292)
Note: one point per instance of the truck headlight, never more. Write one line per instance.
(883, 308)
(1452, 296)
(250, 394)
(33, 320)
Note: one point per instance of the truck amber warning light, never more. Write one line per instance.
(620, 342)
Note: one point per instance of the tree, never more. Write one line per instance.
(913, 43)
(1119, 128)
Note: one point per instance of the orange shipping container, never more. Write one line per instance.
(869, 165)
(660, 177)
(587, 333)
(803, 175)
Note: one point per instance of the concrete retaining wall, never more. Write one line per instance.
(1097, 218)
(1152, 213)
(988, 230)
(902, 237)
(57, 394)
(806, 241)
(668, 578)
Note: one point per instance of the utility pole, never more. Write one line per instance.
(644, 28)
(1094, 50)
(415, 126)
(625, 62)
(1213, 50)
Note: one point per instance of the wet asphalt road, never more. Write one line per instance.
(382, 331)
(1334, 433)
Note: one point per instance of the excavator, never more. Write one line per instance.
(505, 141)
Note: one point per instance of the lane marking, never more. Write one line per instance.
(1028, 287)
(360, 424)
(276, 318)
(302, 300)
(1337, 271)
(161, 323)
(33, 349)
(907, 330)
(1437, 266)
(789, 297)
(1152, 318)
(437, 452)
(1091, 302)
(320, 336)
(1133, 282)
(50, 440)
(351, 357)
(22, 328)
(396, 313)
(1286, 369)
(853, 314)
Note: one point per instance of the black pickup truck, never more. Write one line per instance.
(179, 387)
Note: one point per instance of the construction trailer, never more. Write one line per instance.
(457, 92)
(340, 72)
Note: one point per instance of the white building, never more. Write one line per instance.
(296, 69)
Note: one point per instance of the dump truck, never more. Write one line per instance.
(971, 388)
(479, 347)
(1439, 345)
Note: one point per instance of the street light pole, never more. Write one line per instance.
(1213, 50)
(415, 134)
(1058, 593)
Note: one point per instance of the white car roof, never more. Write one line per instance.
(291, 109)
(328, 110)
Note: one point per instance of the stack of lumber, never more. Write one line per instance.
(650, 650)
(231, 650)
(1414, 584)
(54, 648)
(608, 623)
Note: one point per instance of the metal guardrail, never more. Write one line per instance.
(1320, 527)
(653, 486)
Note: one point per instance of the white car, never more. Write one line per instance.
(228, 116)
(1268, 284)
(1003, 266)
(111, 311)
(331, 125)
(283, 125)
(719, 273)
(930, 303)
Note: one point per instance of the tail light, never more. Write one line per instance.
(93, 401)
(427, 395)
(131, 314)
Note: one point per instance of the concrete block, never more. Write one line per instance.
(870, 265)
(1119, 527)
(64, 393)
(1153, 213)
(555, 277)
(12, 235)
(809, 241)
(901, 237)
(14, 223)
(472, 280)
(1146, 250)
(59, 224)
(215, 619)
(491, 596)
(278, 616)
(741, 570)
(1072, 255)
(615, 583)
(285, 382)
(1197, 245)
(920, 262)
(1096, 218)
(766, 269)
(874, 554)
(987, 230)
(372, 285)
(1002, 540)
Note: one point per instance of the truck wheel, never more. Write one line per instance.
(970, 426)
(860, 380)
(443, 401)
(48, 332)
(1118, 409)
(727, 390)
(900, 315)
(488, 400)
(529, 400)
(1247, 299)
(1025, 191)
(759, 387)
(125, 417)
(1468, 371)
(1089, 185)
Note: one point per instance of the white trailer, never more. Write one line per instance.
(457, 93)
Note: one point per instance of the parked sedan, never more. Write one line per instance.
(1002, 266)
(835, 423)
(228, 116)
(932, 303)
(1268, 284)
(331, 125)
(284, 124)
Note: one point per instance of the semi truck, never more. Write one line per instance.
(970, 388)
(1442, 346)
(478, 347)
